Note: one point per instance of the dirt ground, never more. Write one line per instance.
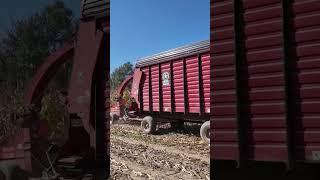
(170, 154)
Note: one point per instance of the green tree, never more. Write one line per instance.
(23, 48)
(30, 40)
(117, 77)
(120, 74)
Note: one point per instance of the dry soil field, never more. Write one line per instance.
(170, 154)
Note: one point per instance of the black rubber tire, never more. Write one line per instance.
(148, 125)
(177, 125)
(205, 132)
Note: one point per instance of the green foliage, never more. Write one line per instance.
(53, 110)
(12, 112)
(126, 97)
(120, 74)
(117, 77)
(25, 46)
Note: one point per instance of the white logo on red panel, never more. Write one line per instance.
(165, 78)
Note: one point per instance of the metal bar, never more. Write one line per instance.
(240, 80)
(201, 98)
(185, 95)
(150, 91)
(160, 90)
(290, 98)
(171, 88)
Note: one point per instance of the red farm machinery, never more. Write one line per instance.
(172, 86)
(265, 84)
(85, 153)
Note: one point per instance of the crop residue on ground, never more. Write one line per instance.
(168, 155)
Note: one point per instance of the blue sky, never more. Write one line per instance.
(143, 27)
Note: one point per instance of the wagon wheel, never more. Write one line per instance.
(205, 132)
(148, 125)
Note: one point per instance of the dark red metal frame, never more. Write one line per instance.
(264, 81)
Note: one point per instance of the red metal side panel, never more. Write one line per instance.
(223, 104)
(155, 87)
(205, 62)
(145, 89)
(263, 33)
(178, 85)
(166, 89)
(264, 50)
(193, 84)
(307, 36)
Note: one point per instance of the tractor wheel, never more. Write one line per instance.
(148, 125)
(177, 125)
(205, 132)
